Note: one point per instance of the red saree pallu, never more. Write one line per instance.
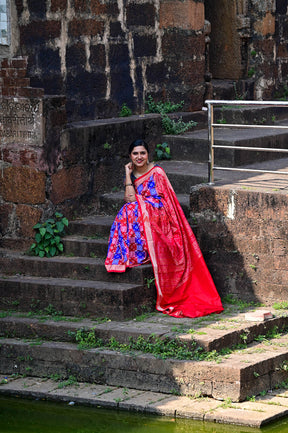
(155, 227)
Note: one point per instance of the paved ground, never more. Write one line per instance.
(249, 413)
(268, 182)
(253, 413)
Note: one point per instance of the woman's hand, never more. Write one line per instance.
(129, 194)
(129, 169)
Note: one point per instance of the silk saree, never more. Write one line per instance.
(154, 228)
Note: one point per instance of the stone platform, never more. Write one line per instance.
(255, 414)
(40, 360)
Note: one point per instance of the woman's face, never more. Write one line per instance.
(139, 156)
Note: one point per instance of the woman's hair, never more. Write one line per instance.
(138, 142)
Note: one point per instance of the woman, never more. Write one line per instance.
(151, 226)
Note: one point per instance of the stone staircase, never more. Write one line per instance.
(76, 283)
(46, 301)
(46, 347)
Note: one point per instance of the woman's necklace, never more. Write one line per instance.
(138, 174)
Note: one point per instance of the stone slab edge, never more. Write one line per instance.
(250, 414)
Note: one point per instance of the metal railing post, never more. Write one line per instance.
(211, 125)
(210, 143)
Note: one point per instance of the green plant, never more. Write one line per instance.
(175, 127)
(162, 107)
(48, 236)
(244, 337)
(86, 339)
(107, 146)
(51, 311)
(227, 403)
(162, 151)
(222, 121)
(281, 305)
(149, 281)
(69, 382)
(125, 111)
(237, 95)
(170, 126)
(252, 398)
(282, 93)
(251, 72)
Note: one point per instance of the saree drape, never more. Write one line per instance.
(155, 228)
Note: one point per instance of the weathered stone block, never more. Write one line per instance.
(116, 30)
(144, 45)
(21, 156)
(186, 15)
(5, 212)
(49, 60)
(23, 185)
(58, 5)
(97, 59)
(69, 183)
(38, 33)
(155, 72)
(82, 6)
(89, 27)
(37, 8)
(180, 44)
(29, 92)
(9, 91)
(266, 26)
(281, 7)
(76, 55)
(20, 62)
(13, 72)
(119, 57)
(15, 82)
(110, 8)
(27, 217)
(19, 6)
(141, 14)
(22, 121)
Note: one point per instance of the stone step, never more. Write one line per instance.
(83, 268)
(243, 373)
(85, 247)
(184, 174)
(215, 332)
(254, 115)
(94, 227)
(64, 296)
(194, 146)
(111, 203)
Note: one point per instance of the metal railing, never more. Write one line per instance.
(212, 125)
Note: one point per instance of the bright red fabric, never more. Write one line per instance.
(184, 285)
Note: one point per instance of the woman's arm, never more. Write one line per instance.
(129, 193)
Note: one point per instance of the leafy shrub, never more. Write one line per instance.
(175, 127)
(162, 107)
(162, 151)
(125, 111)
(48, 236)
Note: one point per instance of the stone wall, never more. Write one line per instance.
(103, 54)
(30, 126)
(46, 165)
(243, 236)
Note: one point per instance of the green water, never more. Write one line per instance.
(29, 416)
